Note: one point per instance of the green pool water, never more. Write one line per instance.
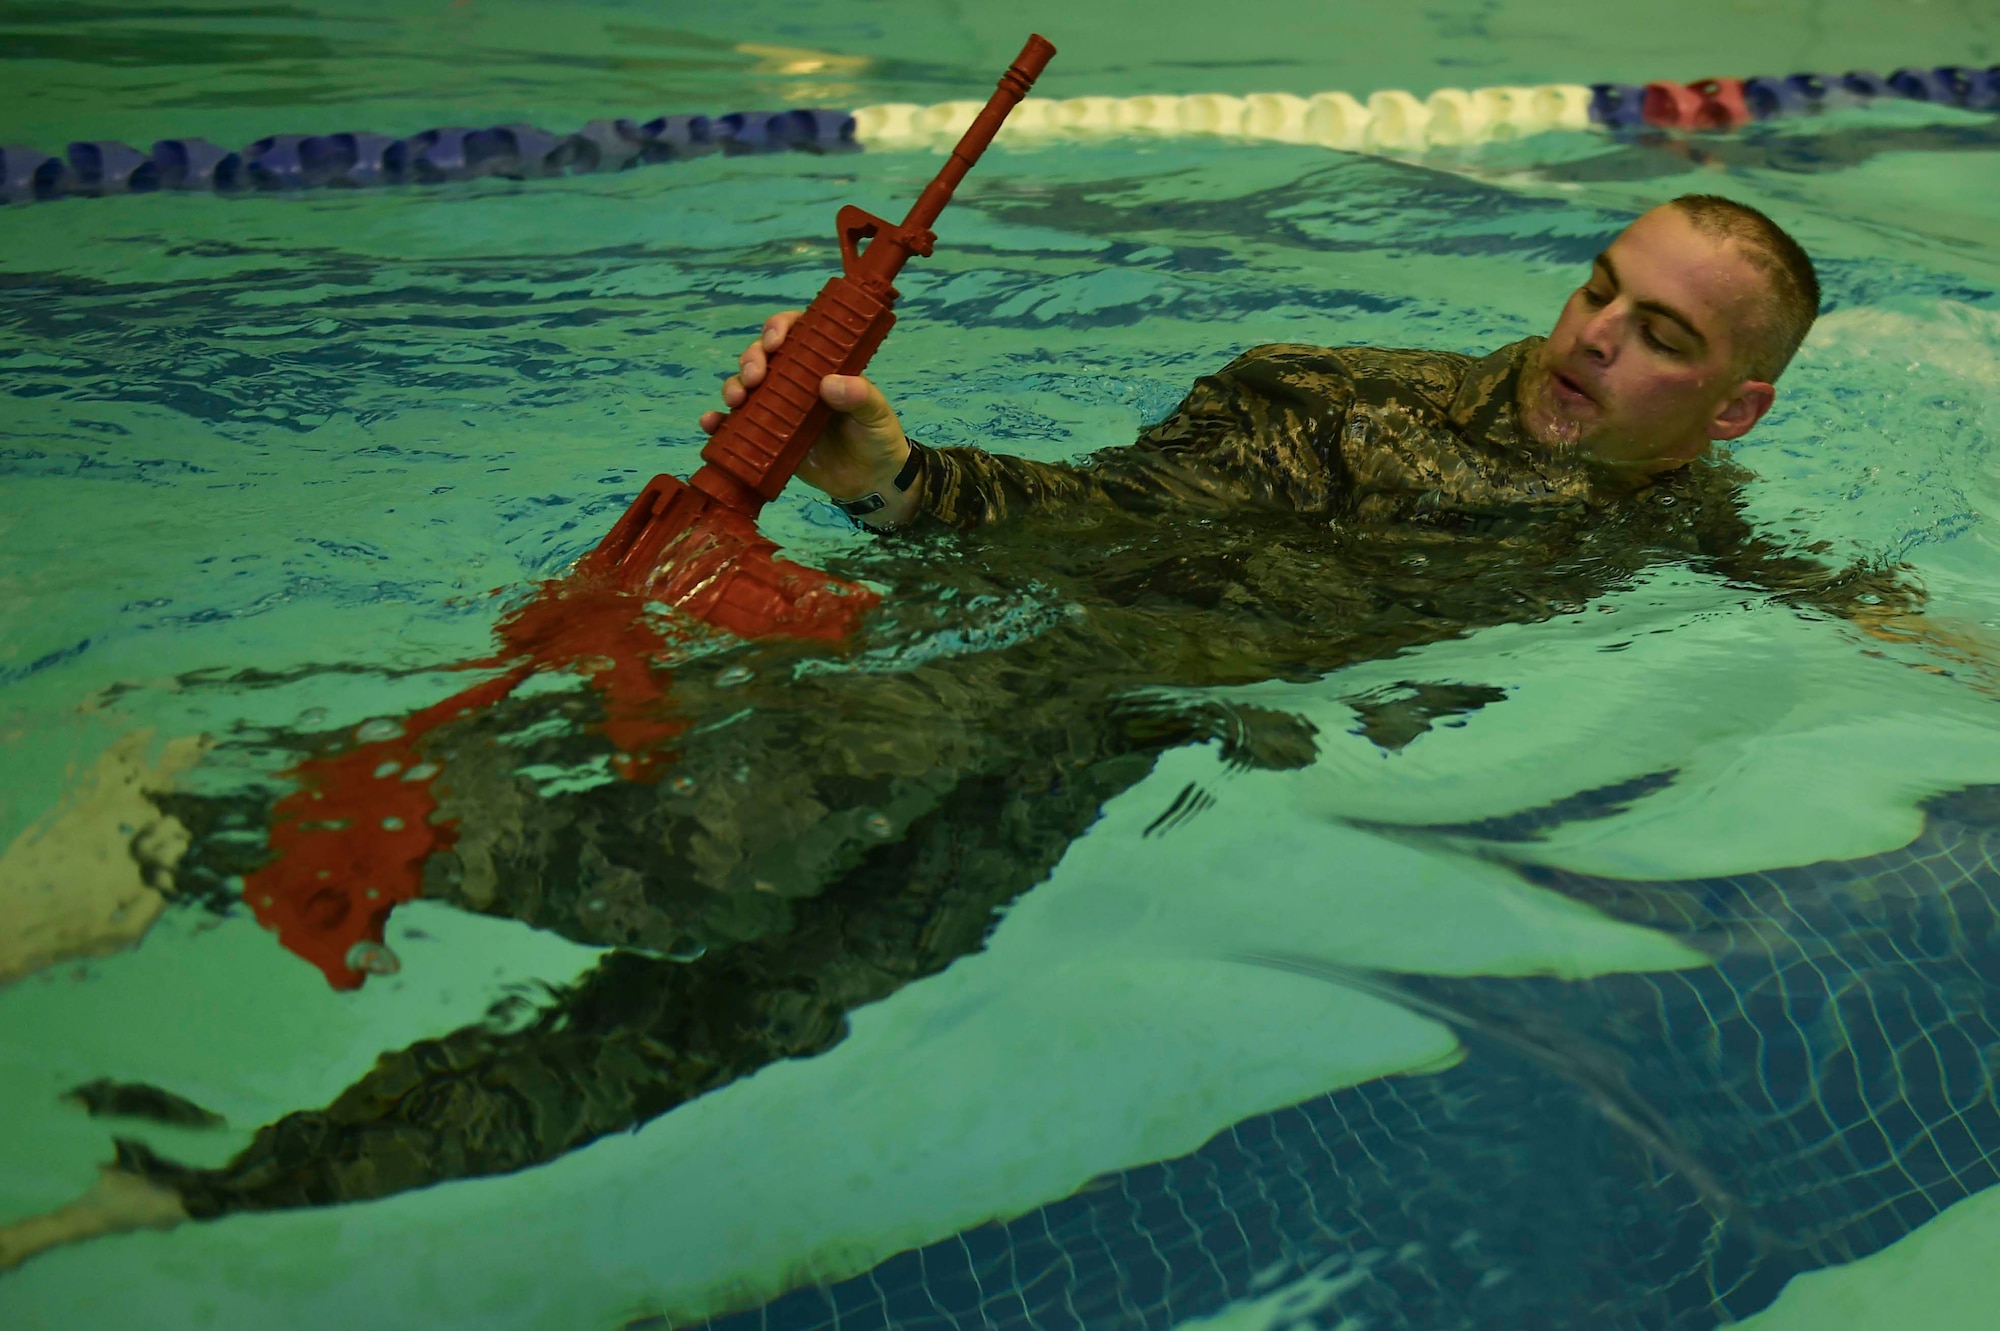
(240, 437)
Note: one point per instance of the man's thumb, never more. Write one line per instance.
(854, 396)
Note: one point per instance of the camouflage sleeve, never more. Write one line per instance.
(1860, 590)
(1255, 434)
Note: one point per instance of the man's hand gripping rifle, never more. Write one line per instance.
(761, 443)
(351, 841)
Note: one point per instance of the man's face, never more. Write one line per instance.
(1643, 366)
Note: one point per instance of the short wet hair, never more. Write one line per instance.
(1793, 301)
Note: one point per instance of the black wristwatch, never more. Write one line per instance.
(873, 501)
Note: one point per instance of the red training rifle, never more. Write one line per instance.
(350, 843)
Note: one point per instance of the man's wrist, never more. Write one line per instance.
(894, 498)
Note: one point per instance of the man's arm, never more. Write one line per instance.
(1884, 601)
(1973, 653)
(1236, 441)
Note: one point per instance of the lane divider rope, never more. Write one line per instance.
(436, 156)
(1391, 121)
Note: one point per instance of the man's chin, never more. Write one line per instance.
(1550, 424)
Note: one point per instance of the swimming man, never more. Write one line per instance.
(837, 827)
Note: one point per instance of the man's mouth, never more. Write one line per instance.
(1569, 392)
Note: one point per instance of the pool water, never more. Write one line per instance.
(267, 459)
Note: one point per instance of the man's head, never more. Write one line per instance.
(1676, 338)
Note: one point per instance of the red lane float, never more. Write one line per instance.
(1671, 105)
(1703, 104)
(1724, 104)
(350, 841)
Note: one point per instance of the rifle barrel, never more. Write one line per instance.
(1014, 85)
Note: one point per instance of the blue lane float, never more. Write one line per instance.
(192, 163)
(111, 168)
(27, 174)
(1973, 89)
(355, 160)
(1865, 83)
(1923, 85)
(1770, 99)
(350, 160)
(1617, 105)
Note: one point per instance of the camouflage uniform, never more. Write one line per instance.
(837, 826)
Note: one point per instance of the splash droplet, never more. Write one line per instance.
(381, 728)
(373, 959)
(387, 769)
(392, 824)
(878, 824)
(733, 676)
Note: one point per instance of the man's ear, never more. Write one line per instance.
(1735, 417)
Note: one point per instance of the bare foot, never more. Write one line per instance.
(90, 877)
(117, 1203)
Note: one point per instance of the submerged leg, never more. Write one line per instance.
(117, 1203)
(640, 1035)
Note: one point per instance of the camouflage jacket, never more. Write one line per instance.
(1366, 437)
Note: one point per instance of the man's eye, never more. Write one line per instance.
(1655, 343)
(1593, 297)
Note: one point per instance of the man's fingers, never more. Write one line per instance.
(756, 358)
(752, 366)
(776, 327)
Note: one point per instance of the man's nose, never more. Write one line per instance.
(1599, 339)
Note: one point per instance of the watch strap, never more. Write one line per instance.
(862, 505)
